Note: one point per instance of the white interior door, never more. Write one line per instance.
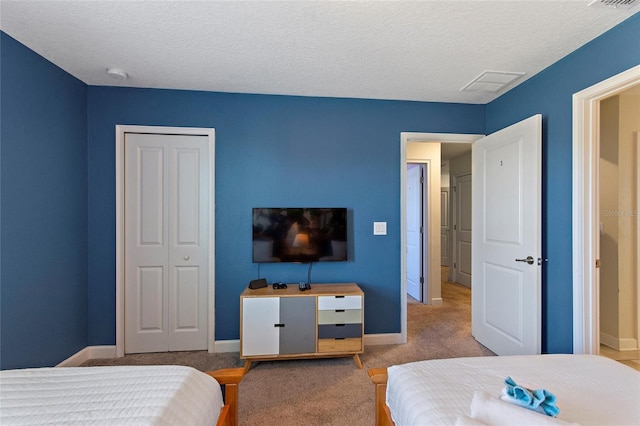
(506, 313)
(445, 229)
(463, 230)
(415, 280)
(166, 242)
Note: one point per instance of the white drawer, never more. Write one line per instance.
(326, 303)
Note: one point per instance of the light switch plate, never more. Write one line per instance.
(379, 228)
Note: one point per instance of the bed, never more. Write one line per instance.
(140, 395)
(590, 390)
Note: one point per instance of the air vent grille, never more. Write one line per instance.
(492, 81)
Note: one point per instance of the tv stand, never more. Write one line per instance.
(325, 321)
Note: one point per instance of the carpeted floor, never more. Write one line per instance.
(334, 391)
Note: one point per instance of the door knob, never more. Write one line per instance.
(529, 260)
(186, 258)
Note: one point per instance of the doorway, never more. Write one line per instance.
(195, 187)
(586, 215)
(428, 151)
(618, 207)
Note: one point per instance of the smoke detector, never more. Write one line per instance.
(614, 4)
(117, 74)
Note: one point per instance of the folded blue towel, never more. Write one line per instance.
(539, 399)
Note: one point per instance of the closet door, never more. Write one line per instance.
(166, 242)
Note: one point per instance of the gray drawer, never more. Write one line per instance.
(340, 331)
(340, 316)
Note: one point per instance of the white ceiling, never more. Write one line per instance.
(420, 50)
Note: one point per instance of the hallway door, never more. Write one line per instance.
(463, 227)
(415, 228)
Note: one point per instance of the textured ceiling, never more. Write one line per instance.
(423, 51)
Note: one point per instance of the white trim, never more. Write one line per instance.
(382, 339)
(585, 212)
(619, 343)
(120, 134)
(406, 137)
(90, 352)
(637, 213)
(227, 346)
(109, 351)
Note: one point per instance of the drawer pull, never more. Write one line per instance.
(340, 325)
(339, 297)
(339, 310)
(278, 325)
(339, 338)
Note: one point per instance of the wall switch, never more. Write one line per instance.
(379, 228)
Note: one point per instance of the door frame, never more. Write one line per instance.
(585, 210)
(432, 284)
(121, 130)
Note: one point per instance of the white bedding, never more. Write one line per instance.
(140, 395)
(590, 390)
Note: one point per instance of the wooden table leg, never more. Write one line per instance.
(356, 358)
(247, 365)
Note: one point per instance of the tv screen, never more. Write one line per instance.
(299, 234)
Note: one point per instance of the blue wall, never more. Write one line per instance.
(272, 151)
(43, 224)
(550, 93)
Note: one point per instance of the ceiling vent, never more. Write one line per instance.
(492, 81)
(614, 4)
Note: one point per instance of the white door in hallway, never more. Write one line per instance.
(506, 277)
(463, 193)
(415, 256)
(166, 242)
(445, 229)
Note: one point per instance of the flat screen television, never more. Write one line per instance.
(299, 235)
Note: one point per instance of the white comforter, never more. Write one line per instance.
(590, 390)
(140, 395)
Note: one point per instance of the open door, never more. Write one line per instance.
(506, 253)
(415, 237)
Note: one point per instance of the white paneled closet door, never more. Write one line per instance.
(166, 242)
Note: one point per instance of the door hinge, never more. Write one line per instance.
(421, 179)
(421, 230)
(598, 263)
(454, 189)
(455, 265)
(421, 280)
(455, 227)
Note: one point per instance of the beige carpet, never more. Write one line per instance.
(334, 391)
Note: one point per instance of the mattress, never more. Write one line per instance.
(590, 390)
(140, 395)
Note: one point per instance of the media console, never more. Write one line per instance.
(325, 321)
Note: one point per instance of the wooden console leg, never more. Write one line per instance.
(247, 365)
(356, 358)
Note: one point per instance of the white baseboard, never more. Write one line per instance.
(628, 344)
(436, 301)
(94, 352)
(90, 352)
(227, 345)
(617, 343)
(382, 339)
